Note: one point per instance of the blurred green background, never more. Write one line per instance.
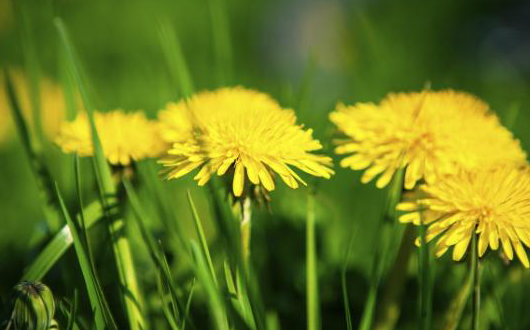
(321, 52)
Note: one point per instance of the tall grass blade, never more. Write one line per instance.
(72, 315)
(188, 304)
(122, 252)
(424, 280)
(40, 170)
(215, 299)
(33, 71)
(175, 58)
(221, 42)
(55, 249)
(345, 296)
(382, 252)
(475, 270)
(456, 307)
(312, 307)
(228, 224)
(200, 233)
(164, 278)
(99, 305)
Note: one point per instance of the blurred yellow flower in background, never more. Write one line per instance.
(125, 137)
(241, 130)
(492, 203)
(431, 133)
(52, 105)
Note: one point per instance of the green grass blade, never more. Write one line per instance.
(188, 304)
(313, 306)
(54, 250)
(175, 58)
(345, 296)
(456, 307)
(164, 278)
(200, 232)
(221, 42)
(475, 270)
(73, 312)
(122, 251)
(424, 280)
(215, 299)
(40, 170)
(381, 255)
(33, 70)
(99, 306)
(228, 224)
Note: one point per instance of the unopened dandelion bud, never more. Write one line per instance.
(33, 307)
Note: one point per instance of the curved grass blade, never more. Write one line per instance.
(122, 252)
(40, 170)
(99, 305)
(215, 299)
(58, 246)
(381, 255)
(175, 58)
(200, 232)
(164, 278)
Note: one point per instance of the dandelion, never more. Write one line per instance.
(493, 204)
(125, 137)
(243, 131)
(430, 133)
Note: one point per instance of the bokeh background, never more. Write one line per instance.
(308, 54)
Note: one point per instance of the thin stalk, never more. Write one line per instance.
(204, 243)
(475, 269)
(382, 252)
(388, 313)
(454, 312)
(313, 315)
(120, 243)
(425, 280)
(245, 227)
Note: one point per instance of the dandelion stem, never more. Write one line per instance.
(475, 270)
(311, 267)
(245, 226)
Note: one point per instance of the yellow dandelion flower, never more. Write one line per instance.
(431, 133)
(243, 130)
(493, 204)
(124, 136)
(52, 105)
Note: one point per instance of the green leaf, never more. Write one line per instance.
(40, 170)
(97, 300)
(214, 297)
(122, 251)
(54, 250)
(175, 58)
(313, 306)
(383, 250)
(164, 277)
(200, 233)
(424, 280)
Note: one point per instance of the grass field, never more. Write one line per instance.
(89, 211)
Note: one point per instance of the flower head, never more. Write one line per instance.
(241, 130)
(493, 204)
(124, 136)
(431, 133)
